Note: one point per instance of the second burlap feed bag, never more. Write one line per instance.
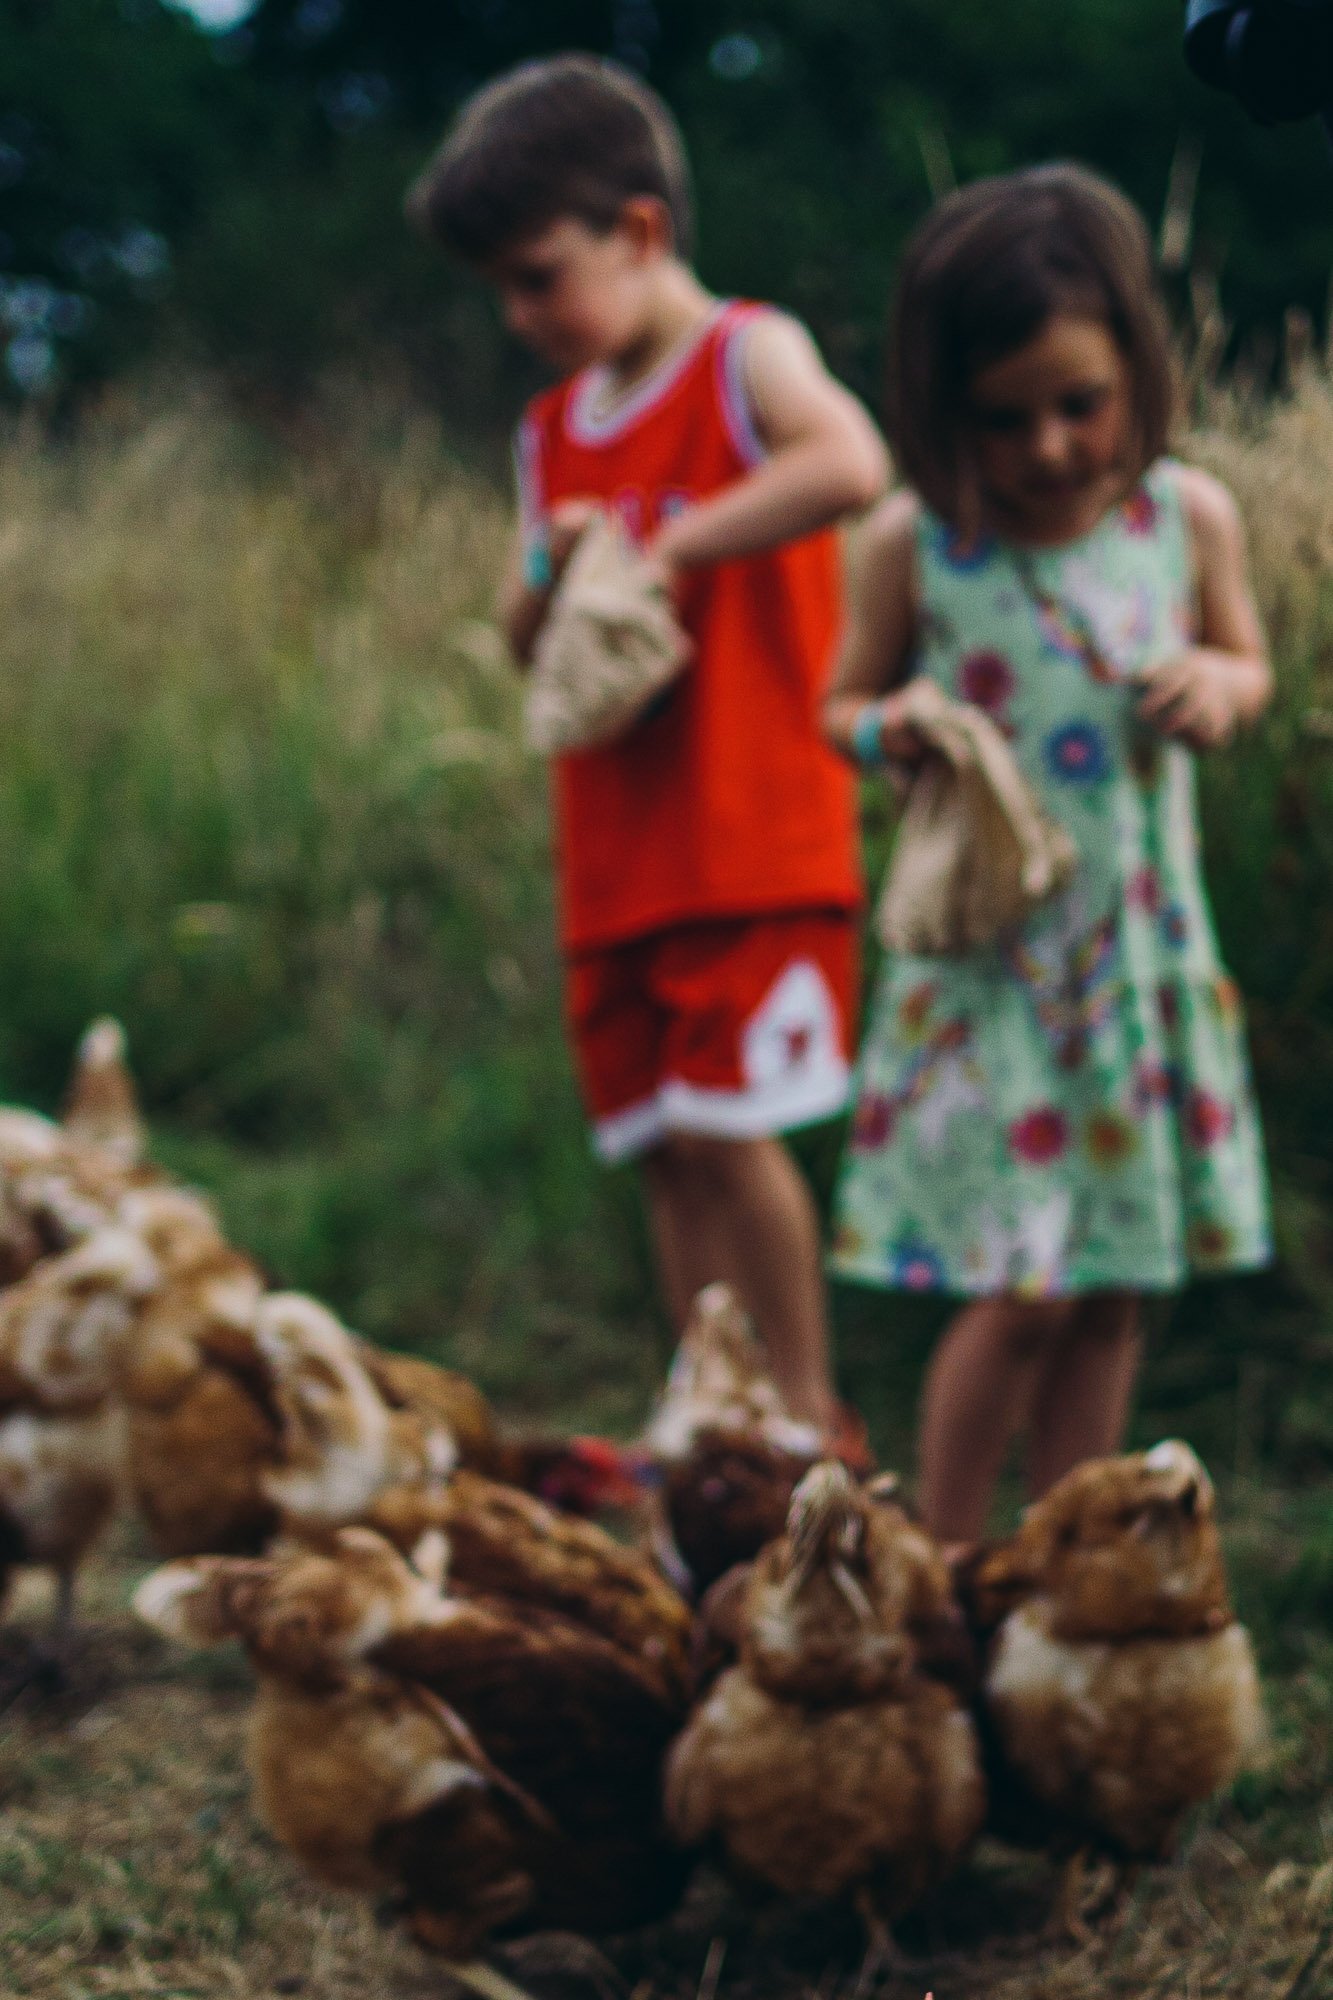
(976, 853)
(610, 644)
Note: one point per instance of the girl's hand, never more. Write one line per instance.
(900, 742)
(1192, 698)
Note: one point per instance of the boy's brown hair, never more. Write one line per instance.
(567, 136)
(981, 277)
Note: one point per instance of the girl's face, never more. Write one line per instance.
(1050, 428)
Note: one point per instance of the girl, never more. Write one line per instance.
(1059, 1126)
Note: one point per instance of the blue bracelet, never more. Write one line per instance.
(537, 571)
(868, 737)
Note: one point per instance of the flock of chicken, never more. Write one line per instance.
(498, 1715)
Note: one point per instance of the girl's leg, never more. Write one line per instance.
(978, 1388)
(1084, 1383)
(740, 1210)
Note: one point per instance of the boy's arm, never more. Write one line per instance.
(861, 714)
(824, 457)
(1224, 680)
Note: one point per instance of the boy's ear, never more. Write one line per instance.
(646, 220)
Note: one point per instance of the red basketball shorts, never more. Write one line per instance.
(733, 1028)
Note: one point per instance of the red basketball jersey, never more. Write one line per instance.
(724, 800)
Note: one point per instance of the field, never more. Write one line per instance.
(261, 796)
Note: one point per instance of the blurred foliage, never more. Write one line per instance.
(238, 193)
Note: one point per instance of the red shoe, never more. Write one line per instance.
(849, 1440)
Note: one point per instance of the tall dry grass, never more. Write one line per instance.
(261, 795)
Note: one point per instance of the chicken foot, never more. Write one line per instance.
(883, 1952)
(486, 1981)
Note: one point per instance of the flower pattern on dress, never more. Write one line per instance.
(1110, 1138)
(872, 1122)
(917, 1268)
(960, 552)
(1071, 1112)
(1077, 753)
(1207, 1118)
(986, 679)
(1140, 512)
(1039, 1136)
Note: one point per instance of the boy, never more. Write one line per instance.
(707, 857)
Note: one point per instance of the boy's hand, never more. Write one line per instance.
(564, 524)
(1192, 698)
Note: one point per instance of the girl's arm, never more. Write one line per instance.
(1223, 681)
(823, 457)
(861, 713)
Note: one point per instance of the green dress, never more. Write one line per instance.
(1071, 1111)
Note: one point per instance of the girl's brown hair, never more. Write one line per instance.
(570, 135)
(981, 277)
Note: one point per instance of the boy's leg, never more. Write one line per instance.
(1083, 1388)
(740, 1210)
(977, 1392)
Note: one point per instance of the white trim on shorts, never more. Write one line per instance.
(775, 1097)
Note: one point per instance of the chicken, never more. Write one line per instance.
(582, 1725)
(52, 1196)
(63, 1329)
(730, 1452)
(507, 1544)
(101, 1108)
(58, 1183)
(372, 1782)
(1119, 1688)
(342, 1445)
(829, 1761)
(374, 1777)
(203, 1425)
(438, 1399)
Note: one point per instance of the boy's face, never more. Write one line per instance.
(575, 294)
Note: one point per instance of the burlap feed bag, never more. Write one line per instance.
(609, 645)
(975, 852)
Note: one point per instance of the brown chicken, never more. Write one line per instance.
(371, 1773)
(436, 1398)
(1119, 1688)
(203, 1425)
(63, 1329)
(730, 1453)
(367, 1778)
(58, 1183)
(101, 1107)
(829, 1761)
(507, 1544)
(342, 1445)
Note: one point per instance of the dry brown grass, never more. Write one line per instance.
(1276, 455)
(131, 1864)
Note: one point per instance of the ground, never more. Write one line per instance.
(132, 1865)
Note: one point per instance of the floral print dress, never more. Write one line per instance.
(1071, 1111)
